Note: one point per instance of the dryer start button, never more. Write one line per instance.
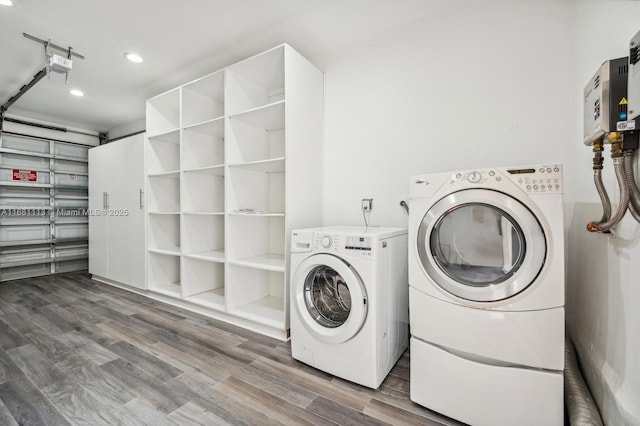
(474, 177)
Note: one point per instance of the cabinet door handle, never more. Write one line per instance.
(141, 199)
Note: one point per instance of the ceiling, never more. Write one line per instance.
(179, 40)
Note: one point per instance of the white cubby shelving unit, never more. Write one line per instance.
(234, 164)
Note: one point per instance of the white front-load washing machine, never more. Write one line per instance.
(349, 300)
(487, 282)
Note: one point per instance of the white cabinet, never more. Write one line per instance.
(234, 163)
(100, 159)
(117, 218)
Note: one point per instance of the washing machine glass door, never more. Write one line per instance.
(481, 245)
(330, 298)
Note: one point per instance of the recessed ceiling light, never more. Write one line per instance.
(6, 3)
(133, 57)
(76, 92)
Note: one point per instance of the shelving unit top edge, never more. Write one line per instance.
(175, 89)
(282, 46)
(204, 77)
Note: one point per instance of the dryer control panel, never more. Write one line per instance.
(536, 179)
(545, 178)
(540, 179)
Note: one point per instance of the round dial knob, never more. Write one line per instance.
(326, 241)
(474, 177)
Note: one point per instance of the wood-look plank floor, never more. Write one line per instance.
(74, 351)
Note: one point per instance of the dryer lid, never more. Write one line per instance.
(481, 245)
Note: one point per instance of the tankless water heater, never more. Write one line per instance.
(605, 100)
(634, 77)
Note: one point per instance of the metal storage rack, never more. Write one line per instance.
(43, 206)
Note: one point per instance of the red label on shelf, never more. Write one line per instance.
(25, 175)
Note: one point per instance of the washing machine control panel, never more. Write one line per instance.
(358, 243)
(326, 241)
(354, 244)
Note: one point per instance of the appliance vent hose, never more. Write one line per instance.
(581, 408)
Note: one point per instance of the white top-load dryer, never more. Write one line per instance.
(349, 300)
(486, 274)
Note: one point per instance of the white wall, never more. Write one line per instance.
(127, 129)
(603, 294)
(480, 86)
(496, 83)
